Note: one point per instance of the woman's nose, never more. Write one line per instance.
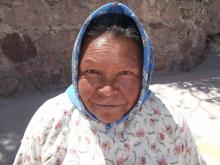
(107, 91)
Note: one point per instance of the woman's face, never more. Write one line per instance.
(109, 76)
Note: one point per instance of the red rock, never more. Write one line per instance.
(18, 48)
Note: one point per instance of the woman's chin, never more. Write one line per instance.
(110, 115)
(107, 121)
(108, 118)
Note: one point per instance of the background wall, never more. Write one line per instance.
(36, 37)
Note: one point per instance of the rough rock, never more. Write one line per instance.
(9, 82)
(36, 37)
(18, 48)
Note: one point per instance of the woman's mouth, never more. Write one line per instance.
(107, 106)
(111, 106)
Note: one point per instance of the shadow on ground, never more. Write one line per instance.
(205, 78)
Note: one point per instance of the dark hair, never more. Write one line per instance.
(114, 23)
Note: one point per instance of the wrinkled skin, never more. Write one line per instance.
(109, 76)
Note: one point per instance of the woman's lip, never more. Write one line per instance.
(109, 105)
(106, 105)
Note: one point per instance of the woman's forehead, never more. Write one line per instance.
(110, 45)
(109, 62)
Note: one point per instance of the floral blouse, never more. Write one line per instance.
(59, 134)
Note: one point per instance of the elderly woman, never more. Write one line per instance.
(108, 115)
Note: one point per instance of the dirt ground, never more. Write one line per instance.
(195, 93)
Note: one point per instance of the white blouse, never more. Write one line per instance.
(59, 134)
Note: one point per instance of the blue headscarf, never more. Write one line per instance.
(148, 62)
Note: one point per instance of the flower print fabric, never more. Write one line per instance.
(70, 137)
(62, 131)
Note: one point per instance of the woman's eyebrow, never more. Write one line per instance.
(89, 61)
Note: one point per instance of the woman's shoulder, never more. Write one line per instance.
(163, 109)
(54, 114)
(47, 124)
(54, 107)
(58, 102)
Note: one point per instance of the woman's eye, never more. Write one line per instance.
(125, 73)
(92, 71)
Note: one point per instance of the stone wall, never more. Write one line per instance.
(36, 37)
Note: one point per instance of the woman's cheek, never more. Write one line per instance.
(85, 88)
(130, 85)
(131, 91)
